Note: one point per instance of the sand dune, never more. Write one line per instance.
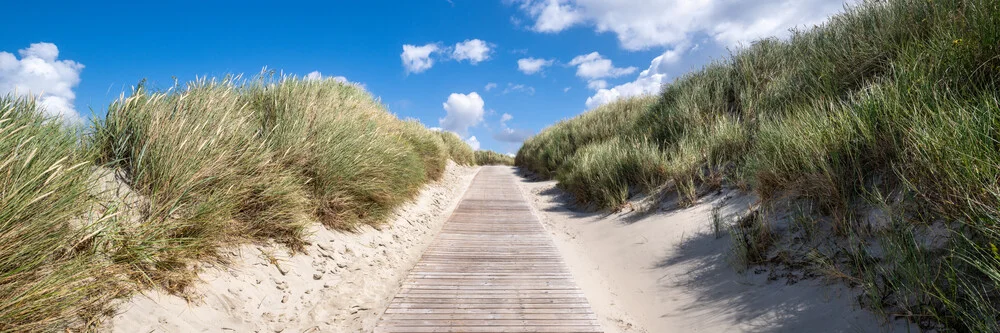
(341, 285)
(668, 272)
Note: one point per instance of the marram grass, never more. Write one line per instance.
(170, 177)
(489, 157)
(897, 97)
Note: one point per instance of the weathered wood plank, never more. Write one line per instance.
(493, 268)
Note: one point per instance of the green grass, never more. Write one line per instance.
(48, 275)
(546, 152)
(898, 97)
(489, 157)
(458, 150)
(359, 160)
(170, 177)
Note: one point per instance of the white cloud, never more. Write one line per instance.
(643, 24)
(40, 73)
(490, 86)
(475, 51)
(597, 84)
(552, 15)
(417, 59)
(650, 81)
(532, 65)
(519, 88)
(594, 66)
(505, 118)
(566, 89)
(462, 111)
(473, 142)
(316, 75)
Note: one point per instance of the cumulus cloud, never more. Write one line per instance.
(597, 84)
(566, 89)
(462, 111)
(40, 73)
(532, 65)
(475, 51)
(417, 59)
(316, 75)
(650, 81)
(594, 66)
(473, 142)
(643, 24)
(490, 86)
(552, 15)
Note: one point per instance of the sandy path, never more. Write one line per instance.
(341, 284)
(667, 272)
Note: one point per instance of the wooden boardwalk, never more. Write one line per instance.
(492, 268)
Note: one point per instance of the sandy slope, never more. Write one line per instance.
(667, 272)
(340, 285)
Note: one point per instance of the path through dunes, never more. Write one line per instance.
(493, 268)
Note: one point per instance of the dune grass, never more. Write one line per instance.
(49, 277)
(359, 160)
(547, 151)
(890, 104)
(458, 150)
(168, 178)
(489, 157)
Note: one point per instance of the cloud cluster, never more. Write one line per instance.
(532, 65)
(650, 81)
(643, 24)
(461, 112)
(475, 51)
(417, 59)
(39, 72)
(594, 66)
(552, 15)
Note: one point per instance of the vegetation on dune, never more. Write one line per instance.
(359, 160)
(547, 151)
(48, 275)
(889, 106)
(168, 178)
(459, 151)
(489, 157)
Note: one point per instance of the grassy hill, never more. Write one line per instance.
(890, 106)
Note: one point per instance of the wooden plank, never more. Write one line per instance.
(489, 329)
(493, 268)
(489, 316)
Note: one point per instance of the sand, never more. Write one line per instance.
(664, 271)
(342, 284)
(667, 271)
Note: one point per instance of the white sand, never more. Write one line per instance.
(341, 285)
(667, 272)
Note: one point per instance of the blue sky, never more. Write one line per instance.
(98, 51)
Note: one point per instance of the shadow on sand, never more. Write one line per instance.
(697, 277)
